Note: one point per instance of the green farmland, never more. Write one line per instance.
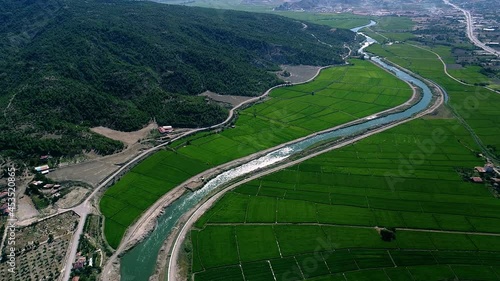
(336, 96)
(476, 105)
(316, 220)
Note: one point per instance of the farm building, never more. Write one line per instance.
(47, 186)
(480, 169)
(3, 194)
(476, 179)
(165, 129)
(42, 169)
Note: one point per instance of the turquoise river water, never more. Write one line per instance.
(138, 264)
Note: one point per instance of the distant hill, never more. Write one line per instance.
(311, 5)
(68, 65)
(372, 6)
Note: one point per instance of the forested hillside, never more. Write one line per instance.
(68, 65)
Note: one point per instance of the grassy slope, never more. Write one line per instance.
(341, 94)
(360, 186)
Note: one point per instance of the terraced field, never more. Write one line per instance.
(476, 105)
(336, 96)
(316, 220)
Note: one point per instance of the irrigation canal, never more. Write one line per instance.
(138, 264)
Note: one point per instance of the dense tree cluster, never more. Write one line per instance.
(71, 65)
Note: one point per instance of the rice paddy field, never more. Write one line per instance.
(338, 95)
(316, 221)
(476, 105)
(343, 20)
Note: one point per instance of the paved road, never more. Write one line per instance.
(470, 30)
(173, 273)
(85, 207)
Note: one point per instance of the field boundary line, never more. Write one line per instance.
(277, 242)
(449, 231)
(389, 252)
(242, 273)
(300, 268)
(272, 270)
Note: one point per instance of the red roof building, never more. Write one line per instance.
(477, 179)
(165, 129)
(480, 169)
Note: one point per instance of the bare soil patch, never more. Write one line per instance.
(95, 170)
(232, 100)
(26, 209)
(298, 73)
(73, 198)
(128, 138)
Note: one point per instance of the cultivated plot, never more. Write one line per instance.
(324, 216)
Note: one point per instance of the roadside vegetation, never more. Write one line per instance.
(338, 95)
(318, 220)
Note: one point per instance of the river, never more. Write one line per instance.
(138, 264)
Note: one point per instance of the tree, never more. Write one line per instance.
(388, 235)
(51, 238)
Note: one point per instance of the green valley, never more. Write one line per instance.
(338, 95)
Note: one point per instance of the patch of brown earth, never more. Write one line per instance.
(298, 73)
(128, 138)
(232, 100)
